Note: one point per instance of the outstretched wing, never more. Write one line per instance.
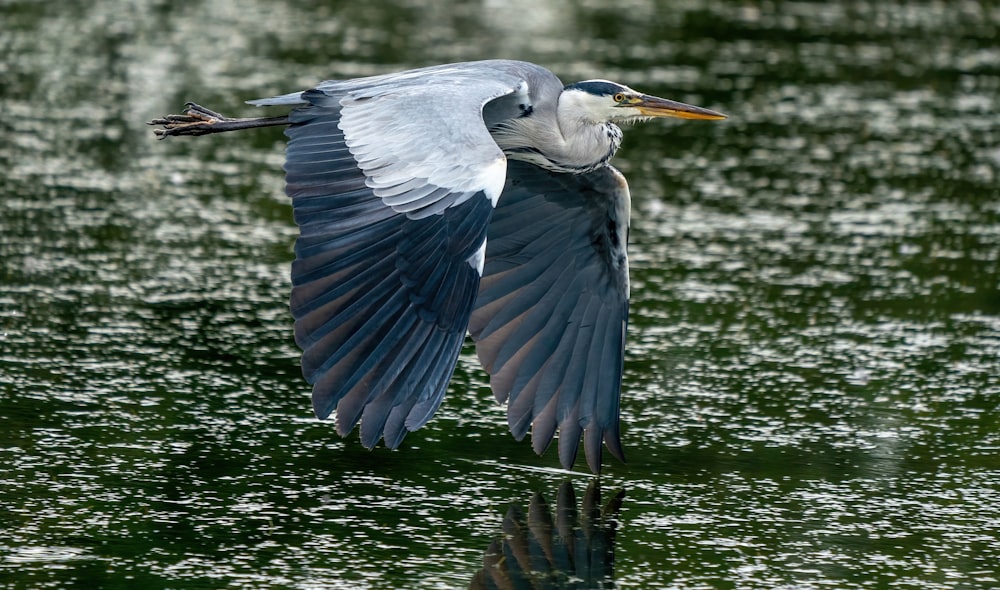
(549, 322)
(393, 180)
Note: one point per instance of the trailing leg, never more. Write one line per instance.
(197, 120)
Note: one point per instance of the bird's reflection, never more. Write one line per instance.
(569, 549)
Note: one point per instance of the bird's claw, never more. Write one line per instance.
(195, 120)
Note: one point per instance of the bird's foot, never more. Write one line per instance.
(196, 120)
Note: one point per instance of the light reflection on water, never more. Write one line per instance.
(811, 384)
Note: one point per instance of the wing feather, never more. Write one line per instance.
(393, 181)
(550, 318)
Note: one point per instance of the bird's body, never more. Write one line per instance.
(465, 197)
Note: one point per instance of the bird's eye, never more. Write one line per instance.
(619, 97)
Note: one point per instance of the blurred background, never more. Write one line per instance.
(812, 387)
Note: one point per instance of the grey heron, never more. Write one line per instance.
(472, 197)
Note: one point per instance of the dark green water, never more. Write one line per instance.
(812, 388)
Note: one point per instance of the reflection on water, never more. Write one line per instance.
(575, 548)
(811, 393)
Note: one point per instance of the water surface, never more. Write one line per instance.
(812, 385)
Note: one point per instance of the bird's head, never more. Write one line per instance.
(600, 101)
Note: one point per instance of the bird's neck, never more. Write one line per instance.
(588, 146)
(574, 147)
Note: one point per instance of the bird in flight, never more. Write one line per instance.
(471, 197)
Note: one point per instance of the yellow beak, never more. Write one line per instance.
(651, 106)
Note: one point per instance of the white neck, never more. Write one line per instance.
(579, 142)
